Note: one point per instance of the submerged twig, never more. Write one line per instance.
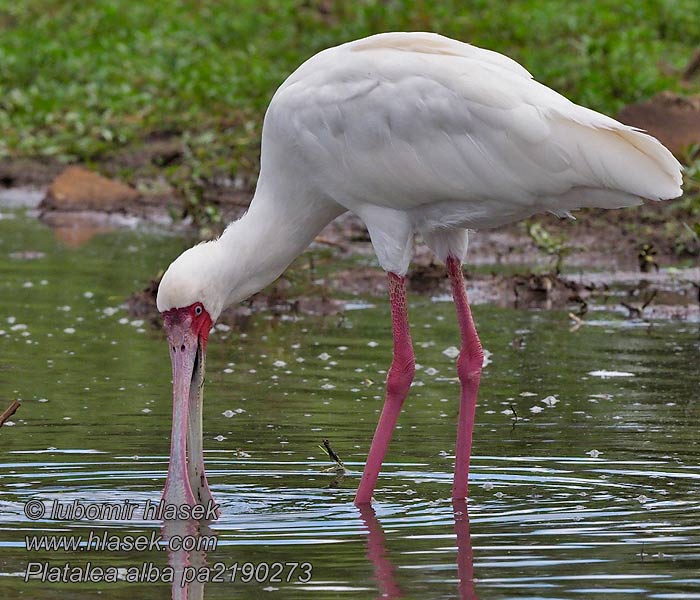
(9, 411)
(637, 312)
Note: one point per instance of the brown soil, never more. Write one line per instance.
(673, 119)
(79, 203)
(76, 188)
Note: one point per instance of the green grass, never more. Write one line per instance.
(79, 81)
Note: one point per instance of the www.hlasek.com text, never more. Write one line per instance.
(106, 541)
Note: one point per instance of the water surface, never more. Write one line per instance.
(585, 479)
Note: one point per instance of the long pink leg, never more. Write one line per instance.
(469, 365)
(398, 382)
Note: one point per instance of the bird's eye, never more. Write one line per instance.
(198, 310)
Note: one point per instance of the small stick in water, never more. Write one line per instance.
(9, 411)
(332, 455)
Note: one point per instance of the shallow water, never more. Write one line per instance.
(592, 490)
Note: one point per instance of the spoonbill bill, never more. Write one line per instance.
(411, 132)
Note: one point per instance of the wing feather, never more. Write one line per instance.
(411, 120)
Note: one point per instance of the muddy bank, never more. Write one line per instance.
(638, 260)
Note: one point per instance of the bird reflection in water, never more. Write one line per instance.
(180, 560)
(385, 571)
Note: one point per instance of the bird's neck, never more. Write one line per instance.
(259, 246)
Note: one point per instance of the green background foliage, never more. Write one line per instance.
(79, 80)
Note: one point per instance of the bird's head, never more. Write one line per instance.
(194, 277)
(190, 298)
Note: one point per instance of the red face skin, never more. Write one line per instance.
(187, 329)
(190, 322)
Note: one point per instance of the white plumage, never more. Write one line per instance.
(416, 132)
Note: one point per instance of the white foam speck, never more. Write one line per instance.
(451, 352)
(606, 374)
(550, 401)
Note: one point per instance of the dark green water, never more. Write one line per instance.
(593, 493)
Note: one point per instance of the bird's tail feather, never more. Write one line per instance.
(628, 164)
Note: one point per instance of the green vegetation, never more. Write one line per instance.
(556, 246)
(88, 81)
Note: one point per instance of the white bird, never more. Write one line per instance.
(412, 132)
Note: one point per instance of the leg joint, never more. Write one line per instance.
(400, 375)
(470, 364)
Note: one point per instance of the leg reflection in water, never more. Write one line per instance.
(385, 571)
(465, 556)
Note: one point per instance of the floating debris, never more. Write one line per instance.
(604, 374)
(550, 401)
(231, 413)
(451, 352)
(339, 466)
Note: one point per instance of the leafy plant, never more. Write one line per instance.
(556, 246)
(688, 243)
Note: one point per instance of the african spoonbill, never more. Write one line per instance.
(411, 132)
